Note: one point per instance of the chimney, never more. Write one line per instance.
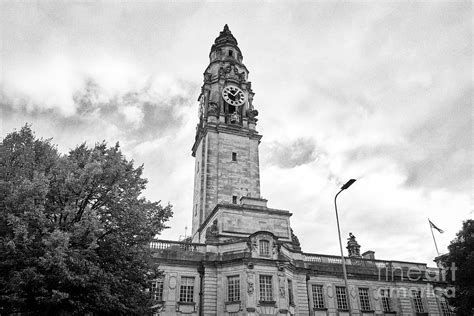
(369, 254)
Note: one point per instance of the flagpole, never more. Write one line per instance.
(432, 234)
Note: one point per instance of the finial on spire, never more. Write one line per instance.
(226, 28)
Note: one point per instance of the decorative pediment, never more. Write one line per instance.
(263, 244)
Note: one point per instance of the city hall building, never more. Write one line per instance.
(243, 257)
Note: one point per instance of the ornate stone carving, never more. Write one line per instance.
(353, 247)
(212, 232)
(250, 282)
(252, 244)
(221, 72)
(213, 109)
(235, 118)
(275, 248)
(252, 114)
(281, 284)
(295, 241)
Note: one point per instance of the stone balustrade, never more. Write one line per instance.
(399, 267)
(177, 245)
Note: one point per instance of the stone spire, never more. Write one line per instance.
(225, 39)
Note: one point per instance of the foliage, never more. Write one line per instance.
(74, 229)
(461, 254)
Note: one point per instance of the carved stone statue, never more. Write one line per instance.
(212, 232)
(250, 286)
(252, 244)
(353, 247)
(252, 114)
(213, 109)
(234, 117)
(295, 241)
(281, 281)
(207, 77)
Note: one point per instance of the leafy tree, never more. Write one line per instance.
(74, 229)
(461, 256)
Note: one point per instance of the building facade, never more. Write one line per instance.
(243, 257)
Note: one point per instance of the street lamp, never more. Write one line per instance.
(344, 187)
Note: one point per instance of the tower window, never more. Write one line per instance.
(231, 53)
(234, 199)
(234, 156)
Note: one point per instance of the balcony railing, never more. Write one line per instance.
(361, 262)
(177, 245)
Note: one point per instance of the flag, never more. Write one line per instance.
(434, 226)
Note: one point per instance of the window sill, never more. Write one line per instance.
(342, 310)
(267, 303)
(186, 303)
(390, 312)
(367, 311)
(232, 302)
(319, 309)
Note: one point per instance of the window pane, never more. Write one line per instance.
(341, 297)
(186, 293)
(233, 288)
(386, 302)
(266, 292)
(291, 299)
(445, 309)
(417, 301)
(364, 299)
(318, 298)
(157, 290)
(264, 247)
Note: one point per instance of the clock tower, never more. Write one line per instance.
(226, 142)
(244, 259)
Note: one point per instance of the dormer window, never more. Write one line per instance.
(264, 246)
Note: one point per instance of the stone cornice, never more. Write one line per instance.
(224, 128)
(269, 211)
(233, 61)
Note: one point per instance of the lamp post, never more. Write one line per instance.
(344, 187)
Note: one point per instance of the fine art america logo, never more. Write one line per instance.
(416, 274)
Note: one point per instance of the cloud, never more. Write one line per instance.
(137, 115)
(380, 93)
(435, 153)
(290, 154)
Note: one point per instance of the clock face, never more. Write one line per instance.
(233, 95)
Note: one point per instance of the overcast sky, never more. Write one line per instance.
(380, 92)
